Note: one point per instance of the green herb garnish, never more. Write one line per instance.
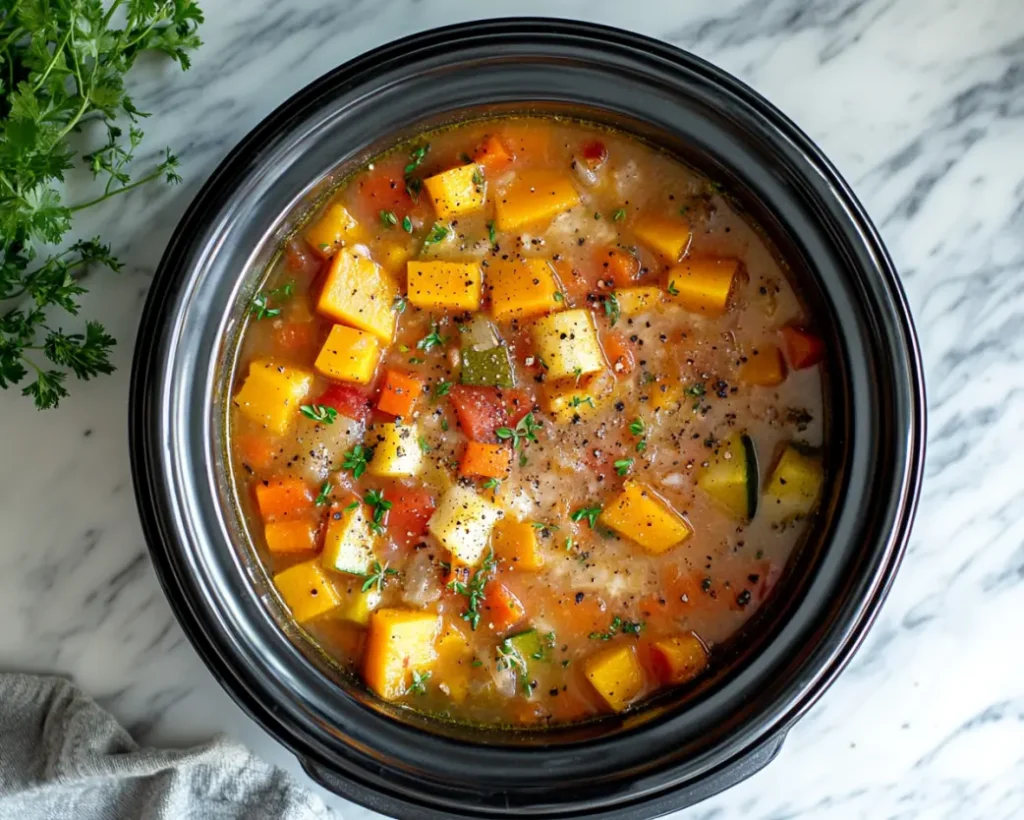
(618, 625)
(443, 389)
(388, 219)
(490, 232)
(418, 686)
(407, 224)
(319, 412)
(619, 215)
(438, 233)
(672, 289)
(474, 589)
(325, 494)
(611, 308)
(377, 577)
(380, 505)
(431, 340)
(590, 513)
(524, 431)
(623, 466)
(355, 460)
(261, 304)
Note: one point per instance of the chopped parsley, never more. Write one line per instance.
(590, 513)
(319, 412)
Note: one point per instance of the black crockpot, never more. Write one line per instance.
(686, 745)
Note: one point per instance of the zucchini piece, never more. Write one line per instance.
(487, 368)
(731, 478)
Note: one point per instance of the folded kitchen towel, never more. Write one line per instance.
(62, 756)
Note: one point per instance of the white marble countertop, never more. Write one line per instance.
(920, 104)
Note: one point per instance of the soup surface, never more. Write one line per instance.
(526, 422)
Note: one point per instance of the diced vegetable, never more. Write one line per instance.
(637, 300)
(487, 368)
(666, 396)
(454, 663)
(399, 642)
(463, 522)
(348, 542)
(534, 197)
(640, 514)
(456, 192)
(306, 591)
(396, 450)
(527, 144)
(793, 488)
(435, 285)
(336, 227)
(383, 189)
(350, 401)
(523, 653)
(702, 285)
(522, 288)
(570, 404)
(667, 236)
(567, 344)
(399, 393)
(272, 394)
(486, 460)
(618, 266)
(764, 367)
(282, 498)
(394, 256)
(258, 451)
(290, 536)
(359, 292)
(492, 154)
(619, 353)
(502, 609)
(358, 605)
(479, 410)
(411, 508)
(731, 477)
(678, 659)
(616, 675)
(515, 542)
(295, 338)
(349, 355)
(803, 349)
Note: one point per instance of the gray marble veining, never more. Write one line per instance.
(919, 103)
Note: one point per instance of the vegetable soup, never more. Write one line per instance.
(527, 422)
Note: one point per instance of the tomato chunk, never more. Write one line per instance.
(351, 402)
(803, 349)
(382, 191)
(480, 411)
(411, 508)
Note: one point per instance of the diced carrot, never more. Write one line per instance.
(295, 337)
(257, 451)
(399, 393)
(618, 266)
(290, 536)
(410, 511)
(803, 349)
(351, 402)
(619, 353)
(766, 368)
(486, 460)
(677, 659)
(492, 154)
(283, 498)
(502, 609)
(479, 410)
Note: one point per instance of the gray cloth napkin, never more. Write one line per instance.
(62, 756)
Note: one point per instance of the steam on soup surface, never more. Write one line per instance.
(526, 422)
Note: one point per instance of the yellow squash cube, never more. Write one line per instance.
(359, 292)
(702, 285)
(349, 355)
(358, 605)
(348, 542)
(567, 343)
(637, 300)
(306, 591)
(680, 658)
(396, 450)
(521, 288)
(335, 227)
(273, 393)
(794, 486)
(535, 197)
(616, 675)
(638, 513)
(463, 522)
(399, 642)
(568, 403)
(454, 285)
(455, 192)
(667, 236)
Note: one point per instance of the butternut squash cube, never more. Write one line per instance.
(794, 486)
(396, 450)
(358, 605)
(463, 522)
(521, 288)
(306, 591)
(637, 300)
(570, 402)
(359, 292)
(290, 536)
(454, 663)
(567, 343)
(640, 514)
(394, 256)
(679, 658)
(335, 227)
(616, 675)
(458, 191)
(399, 642)
(516, 543)
(273, 393)
(535, 197)
(349, 355)
(667, 236)
(764, 368)
(702, 285)
(434, 285)
(348, 542)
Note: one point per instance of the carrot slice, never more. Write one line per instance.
(803, 349)
(283, 498)
(399, 393)
(486, 460)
